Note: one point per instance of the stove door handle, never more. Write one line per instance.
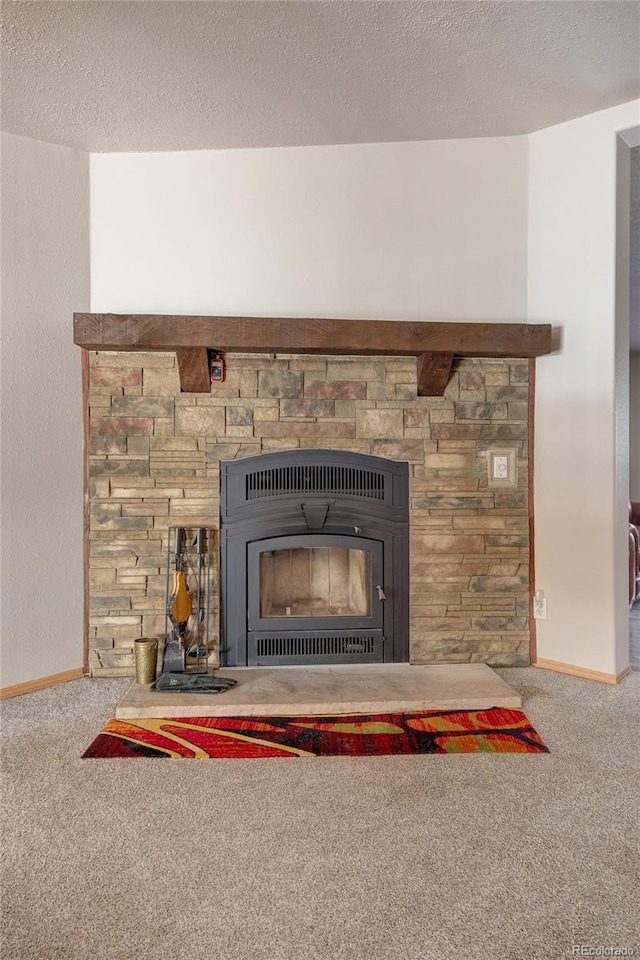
(381, 596)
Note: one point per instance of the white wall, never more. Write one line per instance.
(417, 230)
(634, 311)
(426, 231)
(634, 426)
(634, 239)
(45, 277)
(414, 230)
(580, 475)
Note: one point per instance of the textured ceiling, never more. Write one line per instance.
(105, 75)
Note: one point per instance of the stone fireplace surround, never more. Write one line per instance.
(154, 461)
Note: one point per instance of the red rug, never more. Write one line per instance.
(497, 730)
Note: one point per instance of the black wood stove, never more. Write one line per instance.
(314, 559)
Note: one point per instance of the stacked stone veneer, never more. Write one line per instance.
(154, 463)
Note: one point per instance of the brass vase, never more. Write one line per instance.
(146, 655)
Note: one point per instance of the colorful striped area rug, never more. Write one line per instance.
(497, 730)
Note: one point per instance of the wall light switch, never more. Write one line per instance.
(500, 467)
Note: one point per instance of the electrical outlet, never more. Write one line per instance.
(540, 608)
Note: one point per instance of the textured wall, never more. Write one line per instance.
(634, 247)
(581, 476)
(45, 277)
(634, 425)
(412, 231)
(155, 457)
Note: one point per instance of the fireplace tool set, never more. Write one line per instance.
(188, 603)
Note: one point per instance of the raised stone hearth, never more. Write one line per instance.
(155, 462)
(322, 690)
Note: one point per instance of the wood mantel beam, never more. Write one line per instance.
(109, 331)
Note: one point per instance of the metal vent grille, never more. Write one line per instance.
(329, 646)
(315, 478)
(317, 647)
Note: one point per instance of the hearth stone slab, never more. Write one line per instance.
(323, 690)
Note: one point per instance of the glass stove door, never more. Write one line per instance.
(315, 581)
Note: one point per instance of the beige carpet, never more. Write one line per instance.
(474, 857)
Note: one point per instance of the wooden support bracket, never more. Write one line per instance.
(434, 370)
(193, 367)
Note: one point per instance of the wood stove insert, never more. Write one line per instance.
(314, 559)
